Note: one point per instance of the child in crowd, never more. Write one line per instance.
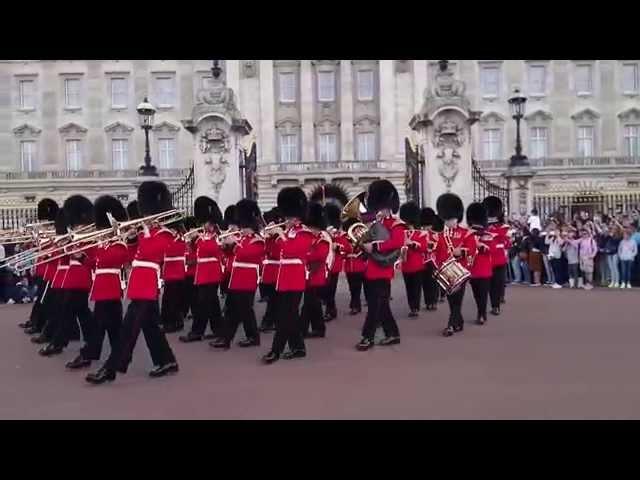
(555, 241)
(571, 252)
(611, 249)
(587, 251)
(627, 251)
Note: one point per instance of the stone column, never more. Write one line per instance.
(419, 83)
(306, 110)
(387, 110)
(267, 145)
(232, 68)
(520, 191)
(346, 109)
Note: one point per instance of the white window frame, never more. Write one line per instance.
(165, 98)
(635, 88)
(289, 151)
(590, 79)
(492, 144)
(582, 140)
(327, 147)
(545, 79)
(631, 140)
(69, 102)
(30, 159)
(362, 94)
(484, 70)
(125, 82)
(287, 92)
(73, 159)
(22, 103)
(123, 160)
(326, 91)
(167, 152)
(368, 153)
(538, 140)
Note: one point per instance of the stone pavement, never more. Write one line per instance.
(552, 354)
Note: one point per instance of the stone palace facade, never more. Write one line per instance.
(72, 126)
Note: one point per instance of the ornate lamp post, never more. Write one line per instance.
(146, 111)
(517, 104)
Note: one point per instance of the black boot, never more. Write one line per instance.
(32, 330)
(220, 343)
(294, 354)
(190, 337)
(481, 320)
(50, 350)
(249, 342)
(270, 357)
(449, 331)
(389, 341)
(77, 363)
(40, 339)
(495, 311)
(101, 376)
(163, 370)
(27, 324)
(331, 315)
(413, 313)
(265, 327)
(365, 344)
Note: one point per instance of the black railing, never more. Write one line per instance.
(482, 187)
(14, 218)
(182, 196)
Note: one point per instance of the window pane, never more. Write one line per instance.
(327, 147)
(27, 155)
(537, 79)
(492, 144)
(583, 79)
(27, 94)
(585, 141)
(72, 92)
(119, 92)
(326, 87)
(365, 84)
(287, 87)
(632, 140)
(630, 77)
(167, 148)
(366, 146)
(538, 142)
(165, 91)
(490, 80)
(74, 155)
(289, 148)
(120, 154)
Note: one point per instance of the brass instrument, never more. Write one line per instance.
(192, 234)
(274, 229)
(163, 218)
(451, 275)
(227, 234)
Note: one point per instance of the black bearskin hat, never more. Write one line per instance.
(61, 223)
(316, 217)
(273, 215)
(206, 210)
(382, 194)
(230, 216)
(410, 213)
(108, 204)
(493, 205)
(247, 214)
(79, 210)
(476, 214)
(292, 202)
(427, 216)
(332, 213)
(329, 194)
(438, 224)
(190, 223)
(449, 206)
(133, 212)
(47, 210)
(153, 197)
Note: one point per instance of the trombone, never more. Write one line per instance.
(272, 229)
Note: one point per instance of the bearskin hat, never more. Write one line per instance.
(332, 213)
(47, 210)
(476, 214)
(427, 216)
(438, 224)
(382, 194)
(449, 206)
(316, 217)
(153, 197)
(410, 213)
(108, 204)
(206, 210)
(61, 223)
(230, 216)
(493, 205)
(190, 223)
(328, 194)
(79, 210)
(273, 215)
(133, 212)
(247, 213)
(292, 202)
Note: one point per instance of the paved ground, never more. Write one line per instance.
(552, 354)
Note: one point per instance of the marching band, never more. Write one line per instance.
(164, 266)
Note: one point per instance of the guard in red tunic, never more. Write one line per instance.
(413, 253)
(481, 264)
(230, 224)
(458, 242)
(500, 257)
(143, 290)
(47, 211)
(340, 245)
(173, 275)
(76, 283)
(208, 273)
(189, 299)
(355, 265)
(295, 242)
(106, 292)
(318, 265)
(270, 266)
(247, 254)
(429, 285)
(383, 201)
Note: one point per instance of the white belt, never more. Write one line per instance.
(113, 271)
(500, 245)
(271, 262)
(63, 267)
(75, 263)
(151, 265)
(290, 261)
(246, 265)
(353, 255)
(207, 260)
(174, 259)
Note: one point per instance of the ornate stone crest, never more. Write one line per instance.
(447, 138)
(214, 140)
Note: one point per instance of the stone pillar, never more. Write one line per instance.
(267, 145)
(306, 110)
(419, 82)
(232, 68)
(387, 111)
(520, 189)
(346, 109)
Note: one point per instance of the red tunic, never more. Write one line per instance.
(502, 243)
(340, 245)
(374, 270)
(61, 269)
(415, 253)
(432, 241)
(110, 260)
(174, 261)
(292, 272)
(317, 260)
(191, 259)
(40, 270)
(461, 238)
(271, 263)
(248, 254)
(144, 280)
(79, 274)
(481, 266)
(209, 257)
(50, 268)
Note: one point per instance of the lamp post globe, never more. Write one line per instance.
(146, 112)
(517, 105)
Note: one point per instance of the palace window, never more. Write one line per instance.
(537, 79)
(584, 79)
(27, 94)
(326, 86)
(289, 148)
(27, 155)
(167, 152)
(491, 144)
(287, 83)
(119, 92)
(631, 140)
(585, 142)
(538, 142)
(490, 81)
(365, 84)
(366, 146)
(630, 78)
(327, 147)
(120, 154)
(73, 154)
(165, 91)
(72, 93)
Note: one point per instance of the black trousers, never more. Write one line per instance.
(480, 289)
(330, 294)
(50, 311)
(379, 313)
(263, 291)
(107, 318)
(269, 318)
(455, 307)
(312, 311)
(240, 309)
(172, 315)
(189, 297)
(141, 315)
(412, 284)
(355, 289)
(37, 309)
(496, 291)
(430, 286)
(74, 304)
(207, 310)
(288, 322)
